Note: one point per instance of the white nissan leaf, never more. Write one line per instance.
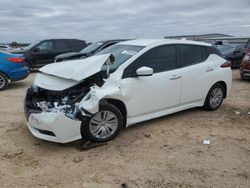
(127, 83)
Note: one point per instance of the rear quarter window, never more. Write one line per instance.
(190, 55)
(211, 50)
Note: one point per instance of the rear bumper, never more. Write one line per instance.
(19, 74)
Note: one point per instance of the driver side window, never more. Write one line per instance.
(46, 45)
(160, 59)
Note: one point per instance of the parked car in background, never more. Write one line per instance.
(43, 52)
(124, 84)
(88, 51)
(12, 68)
(245, 67)
(5, 47)
(246, 47)
(233, 53)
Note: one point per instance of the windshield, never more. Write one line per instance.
(226, 49)
(121, 53)
(91, 47)
(31, 45)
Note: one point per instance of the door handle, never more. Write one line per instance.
(209, 69)
(175, 77)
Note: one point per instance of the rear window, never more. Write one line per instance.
(60, 45)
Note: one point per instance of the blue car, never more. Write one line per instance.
(12, 68)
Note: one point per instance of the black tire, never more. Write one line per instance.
(242, 77)
(208, 105)
(85, 127)
(4, 81)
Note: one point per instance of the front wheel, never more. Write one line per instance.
(214, 97)
(104, 125)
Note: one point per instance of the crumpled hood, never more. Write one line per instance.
(66, 55)
(77, 69)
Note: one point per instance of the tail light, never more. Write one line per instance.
(16, 59)
(226, 64)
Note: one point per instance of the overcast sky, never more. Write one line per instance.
(92, 20)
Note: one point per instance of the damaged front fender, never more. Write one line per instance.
(90, 103)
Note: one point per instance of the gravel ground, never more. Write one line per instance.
(165, 152)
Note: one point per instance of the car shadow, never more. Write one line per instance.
(17, 85)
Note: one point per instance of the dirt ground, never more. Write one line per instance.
(165, 152)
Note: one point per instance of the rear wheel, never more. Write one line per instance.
(104, 125)
(4, 81)
(214, 97)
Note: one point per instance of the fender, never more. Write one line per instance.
(90, 103)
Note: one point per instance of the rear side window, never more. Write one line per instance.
(190, 55)
(212, 50)
(60, 44)
(161, 58)
(78, 45)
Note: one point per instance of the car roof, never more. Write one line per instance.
(112, 40)
(64, 39)
(148, 42)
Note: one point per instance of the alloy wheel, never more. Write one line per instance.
(216, 97)
(103, 124)
(2, 81)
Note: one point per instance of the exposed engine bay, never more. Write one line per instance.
(41, 100)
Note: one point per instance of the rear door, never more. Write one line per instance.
(196, 71)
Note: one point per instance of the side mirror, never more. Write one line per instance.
(36, 49)
(144, 71)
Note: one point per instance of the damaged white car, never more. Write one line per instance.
(127, 83)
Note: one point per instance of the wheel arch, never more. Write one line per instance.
(120, 105)
(5, 74)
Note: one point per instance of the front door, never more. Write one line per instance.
(160, 91)
(42, 53)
